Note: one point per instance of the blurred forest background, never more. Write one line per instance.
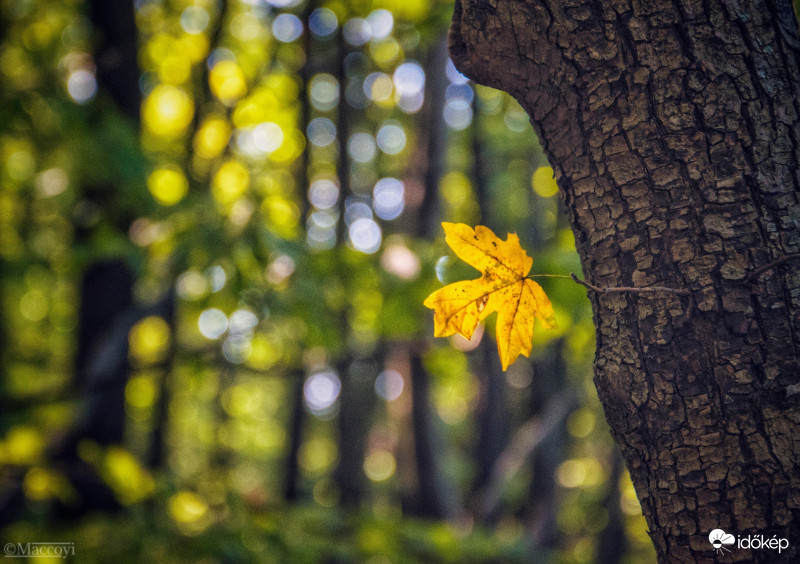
(218, 223)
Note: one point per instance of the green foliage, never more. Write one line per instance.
(225, 193)
(296, 534)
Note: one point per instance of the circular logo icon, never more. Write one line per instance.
(719, 539)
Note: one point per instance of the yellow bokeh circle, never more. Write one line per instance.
(149, 339)
(168, 185)
(544, 184)
(230, 182)
(227, 82)
(379, 465)
(167, 111)
(212, 138)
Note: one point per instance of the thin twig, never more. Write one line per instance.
(759, 271)
(629, 289)
(548, 276)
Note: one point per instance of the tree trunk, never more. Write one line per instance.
(116, 52)
(550, 374)
(433, 496)
(491, 423)
(435, 130)
(356, 403)
(291, 484)
(612, 541)
(673, 129)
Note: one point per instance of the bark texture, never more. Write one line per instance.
(673, 129)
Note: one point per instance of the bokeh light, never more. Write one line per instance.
(379, 465)
(317, 455)
(212, 323)
(323, 193)
(401, 261)
(378, 87)
(212, 138)
(458, 114)
(52, 182)
(194, 20)
(381, 23)
(287, 27)
(357, 31)
(187, 507)
(391, 138)
(82, 86)
(141, 392)
(385, 51)
(356, 209)
(230, 182)
(279, 269)
(236, 348)
(320, 391)
(320, 238)
(454, 75)
(365, 235)
(389, 385)
(263, 139)
(216, 277)
(191, 285)
(167, 111)
(544, 182)
(33, 305)
(362, 147)
(459, 91)
(242, 321)
(322, 22)
(168, 185)
(149, 340)
(227, 82)
(321, 132)
(324, 91)
(322, 219)
(388, 198)
(409, 78)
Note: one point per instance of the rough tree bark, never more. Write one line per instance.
(673, 127)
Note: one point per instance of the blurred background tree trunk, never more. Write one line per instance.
(107, 311)
(431, 498)
(550, 375)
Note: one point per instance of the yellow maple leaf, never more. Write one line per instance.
(503, 287)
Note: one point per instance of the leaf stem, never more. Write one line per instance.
(629, 289)
(617, 289)
(653, 289)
